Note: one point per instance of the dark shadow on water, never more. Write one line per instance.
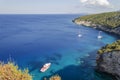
(53, 57)
(84, 71)
(80, 73)
(102, 74)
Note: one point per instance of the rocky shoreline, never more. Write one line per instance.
(108, 62)
(115, 31)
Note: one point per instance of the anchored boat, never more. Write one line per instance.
(45, 67)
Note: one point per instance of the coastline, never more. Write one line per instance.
(115, 31)
(102, 58)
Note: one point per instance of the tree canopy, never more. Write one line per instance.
(109, 19)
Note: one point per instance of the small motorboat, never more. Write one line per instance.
(45, 67)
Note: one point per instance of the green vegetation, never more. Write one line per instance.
(110, 19)
(10, 71)
(110, 47)
(55, 77)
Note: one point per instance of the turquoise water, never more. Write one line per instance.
(33, 40)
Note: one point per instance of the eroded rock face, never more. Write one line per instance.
(109, 63)
(85, 23)
(116, 30)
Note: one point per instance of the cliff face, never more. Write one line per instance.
(97, 26)
(110, 63)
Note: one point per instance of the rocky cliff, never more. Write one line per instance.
(109, 22)
(98, 26)
(109, 63)
(108, 59)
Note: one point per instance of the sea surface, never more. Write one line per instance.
(33, 40)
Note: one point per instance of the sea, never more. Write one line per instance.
(31, 40)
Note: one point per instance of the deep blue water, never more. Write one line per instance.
(32, 40)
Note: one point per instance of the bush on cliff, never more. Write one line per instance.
(10, 71)
(55, 77)
(110, 47)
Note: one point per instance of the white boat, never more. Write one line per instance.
(99, 36)
(79, 35)
(45, 67)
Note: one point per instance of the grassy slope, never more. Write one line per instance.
(110, 19)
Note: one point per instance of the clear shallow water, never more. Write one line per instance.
(32, 40)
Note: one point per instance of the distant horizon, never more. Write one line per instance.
(41, 14)
(50, 13)
(57, 7)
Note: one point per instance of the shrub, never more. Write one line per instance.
(55, 77)
(10, 71)
(110, 47)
